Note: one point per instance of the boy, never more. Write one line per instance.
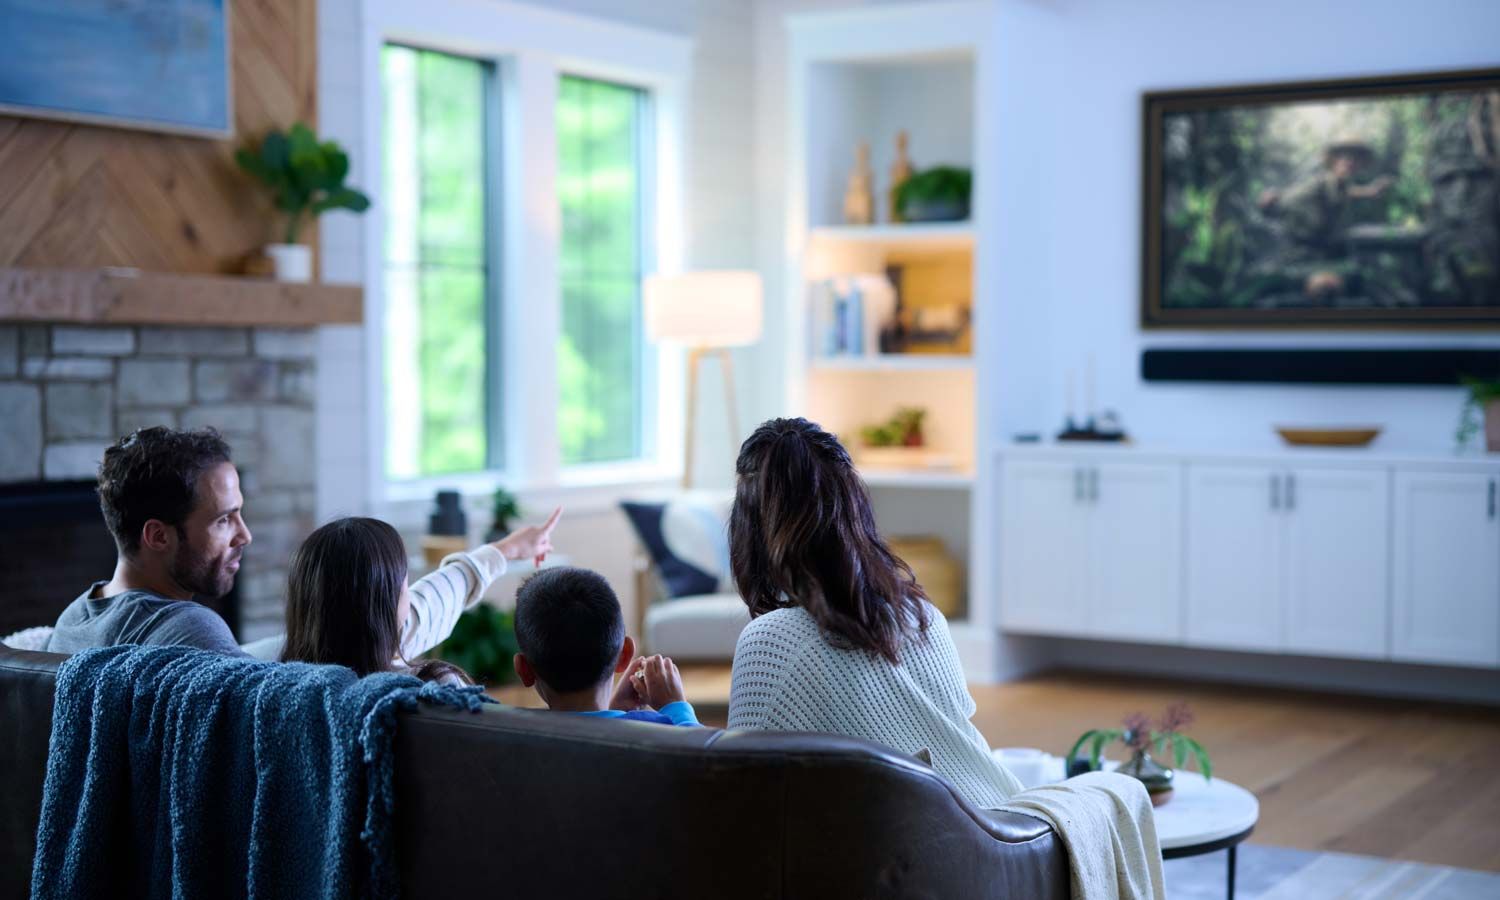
(572, 639)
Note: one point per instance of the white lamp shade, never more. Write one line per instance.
(704, 309)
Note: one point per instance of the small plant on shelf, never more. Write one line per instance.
(1142, 739)
(904, 429)
(940, 194)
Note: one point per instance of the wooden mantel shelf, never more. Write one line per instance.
(133, 297)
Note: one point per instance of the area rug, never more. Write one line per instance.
(1281, 873)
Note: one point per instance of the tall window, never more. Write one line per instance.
(440, 359)
(601, 161)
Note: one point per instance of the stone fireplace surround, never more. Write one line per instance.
(67, 391)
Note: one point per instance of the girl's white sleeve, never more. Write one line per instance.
(441, 596)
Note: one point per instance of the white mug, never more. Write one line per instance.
(1031, 766)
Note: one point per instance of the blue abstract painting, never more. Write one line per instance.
(155, 64)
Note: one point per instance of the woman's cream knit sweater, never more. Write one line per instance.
(789, 677)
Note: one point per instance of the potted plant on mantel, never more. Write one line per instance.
(1142, 739)
(307, 178)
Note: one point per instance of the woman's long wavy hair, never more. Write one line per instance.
(342, 599)
(802, 533)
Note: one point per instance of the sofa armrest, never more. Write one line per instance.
(1011, 827)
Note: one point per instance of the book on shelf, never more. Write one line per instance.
(850, 313)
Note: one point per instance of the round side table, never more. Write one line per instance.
(1205, 817)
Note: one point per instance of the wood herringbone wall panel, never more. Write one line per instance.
(83, 196)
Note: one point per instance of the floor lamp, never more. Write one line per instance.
(707, 312)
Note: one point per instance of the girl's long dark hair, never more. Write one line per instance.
(343, 592)
(802, 533)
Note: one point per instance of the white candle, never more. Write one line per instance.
(1088, 388)
(1070, 397)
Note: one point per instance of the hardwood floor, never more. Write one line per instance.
(1390, 778)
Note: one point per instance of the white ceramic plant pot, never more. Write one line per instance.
(292, 262)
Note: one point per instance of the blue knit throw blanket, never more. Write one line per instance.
(175, 772)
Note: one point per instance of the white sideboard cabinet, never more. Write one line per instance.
(1094, 548)
(1445, 560)
(1288, 559)
(1317, 553)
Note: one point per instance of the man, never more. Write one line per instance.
(172, 501)
(1313, 221)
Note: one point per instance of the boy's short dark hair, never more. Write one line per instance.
(153, 474)
(569, 625)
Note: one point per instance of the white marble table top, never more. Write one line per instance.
(1201, 812)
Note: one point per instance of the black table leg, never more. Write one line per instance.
(1232, 849)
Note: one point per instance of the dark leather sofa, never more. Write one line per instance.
(519, 803)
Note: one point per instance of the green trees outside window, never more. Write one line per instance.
(599, 355)
(441, 306)
(437, 263)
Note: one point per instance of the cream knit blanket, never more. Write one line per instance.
(1106, 823)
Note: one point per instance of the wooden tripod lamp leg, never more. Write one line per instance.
(695, 355)
(729, 404)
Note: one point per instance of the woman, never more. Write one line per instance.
(347, 601)
(842, 638)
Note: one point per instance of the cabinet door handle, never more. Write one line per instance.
(1093, 485)
(1275, 492)
(1291, 492)
(1492, 498)
(1078, 484)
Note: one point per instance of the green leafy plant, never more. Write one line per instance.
(483, 643)
(306, 175)
(903, 429)
(504, 508)
(1482, 392)
(941, 184)
(1140, 737)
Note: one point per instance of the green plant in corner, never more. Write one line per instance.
(305, 174)
(483, 643)
(1482, 392)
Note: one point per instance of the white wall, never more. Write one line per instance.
(720, 229)
(1109, 53)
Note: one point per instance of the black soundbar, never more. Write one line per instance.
(1321, 365)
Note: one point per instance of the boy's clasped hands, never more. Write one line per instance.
(648, 681)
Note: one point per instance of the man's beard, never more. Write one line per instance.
(204, 576)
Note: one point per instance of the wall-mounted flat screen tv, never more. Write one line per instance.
(1369, 202)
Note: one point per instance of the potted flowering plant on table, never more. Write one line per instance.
(1143, 740)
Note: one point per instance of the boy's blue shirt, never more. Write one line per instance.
(679, 713)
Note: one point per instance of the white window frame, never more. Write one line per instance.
(531, 49)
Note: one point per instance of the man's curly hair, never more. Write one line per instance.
(153, 474)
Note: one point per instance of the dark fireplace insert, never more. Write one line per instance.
(53, 545)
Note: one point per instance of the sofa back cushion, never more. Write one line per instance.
(513, 802)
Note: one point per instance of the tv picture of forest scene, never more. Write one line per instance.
(1362, 202)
